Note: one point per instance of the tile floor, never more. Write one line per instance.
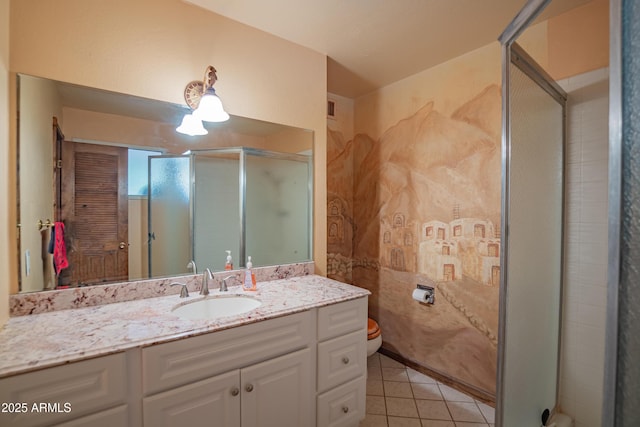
(398, 396)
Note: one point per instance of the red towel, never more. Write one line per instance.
(60, 261)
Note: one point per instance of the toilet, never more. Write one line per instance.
(374, 337)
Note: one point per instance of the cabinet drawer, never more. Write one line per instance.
(341, 359)
(117, 416)
(342, 318)
(181, 362)
(343, 405)
(88, 386)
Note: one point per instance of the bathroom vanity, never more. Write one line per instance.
(297, 360)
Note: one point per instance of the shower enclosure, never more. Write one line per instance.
(251, 202)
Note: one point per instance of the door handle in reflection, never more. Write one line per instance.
(123, 245)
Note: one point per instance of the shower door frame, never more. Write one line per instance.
(512, 53)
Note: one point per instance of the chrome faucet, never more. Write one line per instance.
(192, 265)
(184, 292)
(206, 276)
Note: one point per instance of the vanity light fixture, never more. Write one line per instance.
(202, 99)
(191, 126)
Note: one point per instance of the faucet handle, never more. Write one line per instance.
(223, 284)
(184, 292)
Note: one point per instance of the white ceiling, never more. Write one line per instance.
(372, 43)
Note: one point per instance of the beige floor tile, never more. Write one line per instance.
(373, 360)
(374, 388)
(488, 412)
(397, 389)
(454, 395)
(419, 377)
(404, 422)
(376, 405)
(465, 411)
(433, 410)
(371, 420)
(395, 374)
(399, 407)
(426, 391)
(388, 362)
(397, 396)
(437, 423)
(374, 373)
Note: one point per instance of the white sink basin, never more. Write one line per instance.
(217, 306)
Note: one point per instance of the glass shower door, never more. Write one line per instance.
(532, 247)
(169, 215)
(277, 208)
(216, 212)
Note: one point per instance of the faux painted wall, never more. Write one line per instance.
(419, 202)
(414, 197)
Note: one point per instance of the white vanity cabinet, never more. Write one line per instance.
(303, 369)
(258, 375)
(342, 363)
(92, 392)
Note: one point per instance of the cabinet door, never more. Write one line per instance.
(278, 392)
(214, 401)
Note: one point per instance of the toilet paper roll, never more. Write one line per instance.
(420, 295)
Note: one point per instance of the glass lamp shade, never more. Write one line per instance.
(210, 109)
(192, 126)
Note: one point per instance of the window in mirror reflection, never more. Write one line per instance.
(139, 171)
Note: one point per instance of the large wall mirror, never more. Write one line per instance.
(107, 186)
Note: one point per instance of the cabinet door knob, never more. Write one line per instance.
(235, 391)
(249, 388)
(345, 360)
(345, 409)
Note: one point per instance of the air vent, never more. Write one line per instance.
(331, 109)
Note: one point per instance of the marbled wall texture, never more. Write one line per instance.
(421, 204)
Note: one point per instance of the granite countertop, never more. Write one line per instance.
(43, 340)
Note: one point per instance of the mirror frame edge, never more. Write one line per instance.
(14, 248)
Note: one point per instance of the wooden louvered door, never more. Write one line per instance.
(95, 213)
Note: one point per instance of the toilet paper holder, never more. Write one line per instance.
(431, 293)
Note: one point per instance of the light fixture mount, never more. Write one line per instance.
(194, 90)
(192, 93)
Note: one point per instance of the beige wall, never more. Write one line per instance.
(154, 48)
(39, 103)
(380, 110)
(5, 256)
(343, 115)
(139, 133)
(289, 141)
(138, 237)
(579, 40)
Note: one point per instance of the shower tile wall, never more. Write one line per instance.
(584, 305)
